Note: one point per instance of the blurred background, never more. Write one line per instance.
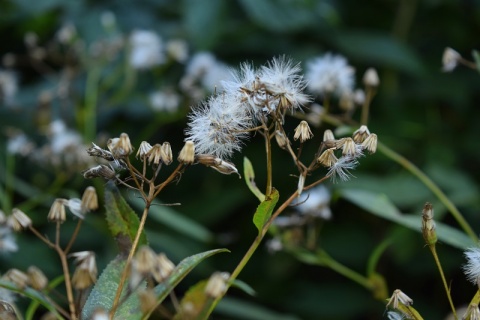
(71, 75)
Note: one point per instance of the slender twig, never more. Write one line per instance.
(68, 283)
(73, 237)
(442, 275)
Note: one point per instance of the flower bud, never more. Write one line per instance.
(370, 143)
(163, 268)
(327, 158)
(19, 220)
(361, 134)
(57, 211)
(217, 285)
(89, 199)
(166, 153)
(370, 78)
(143, 150)
(38, 280)
(187, 154)
(303, 132)
(428, 225)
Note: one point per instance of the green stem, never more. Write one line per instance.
(442, 275)
(328, 261)
(404, 162)
(268, 151)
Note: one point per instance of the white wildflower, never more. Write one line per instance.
(317, 203)
(165, 100)
(177, 49)
(217, 126)
(341, 168)
(146, 49)
(204, 68)
(20, 144)
(472, 267)
(330, 74)
(282, 78)
(8, 86)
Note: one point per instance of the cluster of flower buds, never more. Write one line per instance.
(146, 264)
(156, 156)
(85, 274)
(351, 148)
(34, 278)
(78, 207)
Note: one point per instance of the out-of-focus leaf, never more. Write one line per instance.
(202, 19)
(121, 219)
(238, 309)
(476, 58)
(181, 270)
(104, 291)
(378, 204)
(249, 174)
(286, 15)
(245, 287)
(175, 220)
(379, 49)
(32, 294)
(195, 304)
(264, 210)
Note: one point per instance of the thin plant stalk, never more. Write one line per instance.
(404, 162)
(444, 281)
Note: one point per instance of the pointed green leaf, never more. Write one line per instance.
(264, 210)
(245, 287)
(249, 174)
(379, 204)
(104, 291)
(122, 220)
(181, 270)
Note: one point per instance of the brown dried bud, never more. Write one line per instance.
(19, 278)
(38, 280)
(120, 147)
(398, 297)
(349, 148)
(282, 141)
(100, 171)
(155, 154)
(163, 268)
(303, 132)
(361, 134)
(428, 225)
(144, 260)
(19, 220)
(89, 200)
(143, 150)
(57, 211)
(187, 154)
(370, 143)
(166, 153)
(96, 151)
(216, 163)
(85, 274)
(148, 300)
(327, 158)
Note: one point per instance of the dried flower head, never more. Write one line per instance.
(89, 200)
(187, 154)
(370, 143)
(281, 139)
(370, 78)
(163, 268)
(341, 169)
(120, 147)
(428, 225)
(361, 134)
(472, 313)
(327, 158)
(143, 150)
(148, 300)
(217, 164)
(472, 267)
(154, 155)
(217, 284)
(398, 297)
(100, 171)
(85, 274)
(96, 151)
(166, 153)
(450, 59)
(7, 312)
(19, 278)
(57, 211)
(303, 132)
(330, 74)
(144, 260)
(38, 280)
(19, 220)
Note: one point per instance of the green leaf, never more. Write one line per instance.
(181, 270)
(175, 220)
(245, 287)
(264, 210)
(122, 220)
(32, 294)
(195, 304)
(380, 50)
(379, 205)
(104, 291)
(249, 174)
